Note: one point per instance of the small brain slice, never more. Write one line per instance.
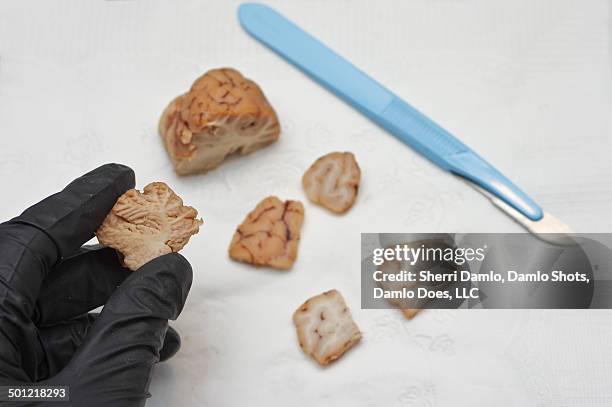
(222, 114)
(269, 235)
(333, 181)
(143, 226)
(325, 327)
(409, 307)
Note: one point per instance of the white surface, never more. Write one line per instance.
(526, 84)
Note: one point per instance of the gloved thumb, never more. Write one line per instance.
(118, 354)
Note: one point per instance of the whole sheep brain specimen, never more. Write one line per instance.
(223, 113)
(270, 234)
(143, 226)
(333, 181)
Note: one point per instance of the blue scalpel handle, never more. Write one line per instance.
(379, 104)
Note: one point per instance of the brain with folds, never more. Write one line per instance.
(333, 181)
(222, 114)
(269, 235)
(143, 226)
(325, 327)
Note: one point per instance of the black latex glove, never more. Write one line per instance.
(49, 283)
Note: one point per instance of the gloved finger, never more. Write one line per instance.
(79, 284)
(34, 241)
(71, 216)
(125, 342)
(60, 342)
(172, 344)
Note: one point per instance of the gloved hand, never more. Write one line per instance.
(49, 283)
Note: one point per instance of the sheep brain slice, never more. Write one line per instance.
(223, 113)
(269, 235)
(333, 181)
(409, 307)
(325, 327)
(143, 226)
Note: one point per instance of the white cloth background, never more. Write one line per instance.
(527, 84)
